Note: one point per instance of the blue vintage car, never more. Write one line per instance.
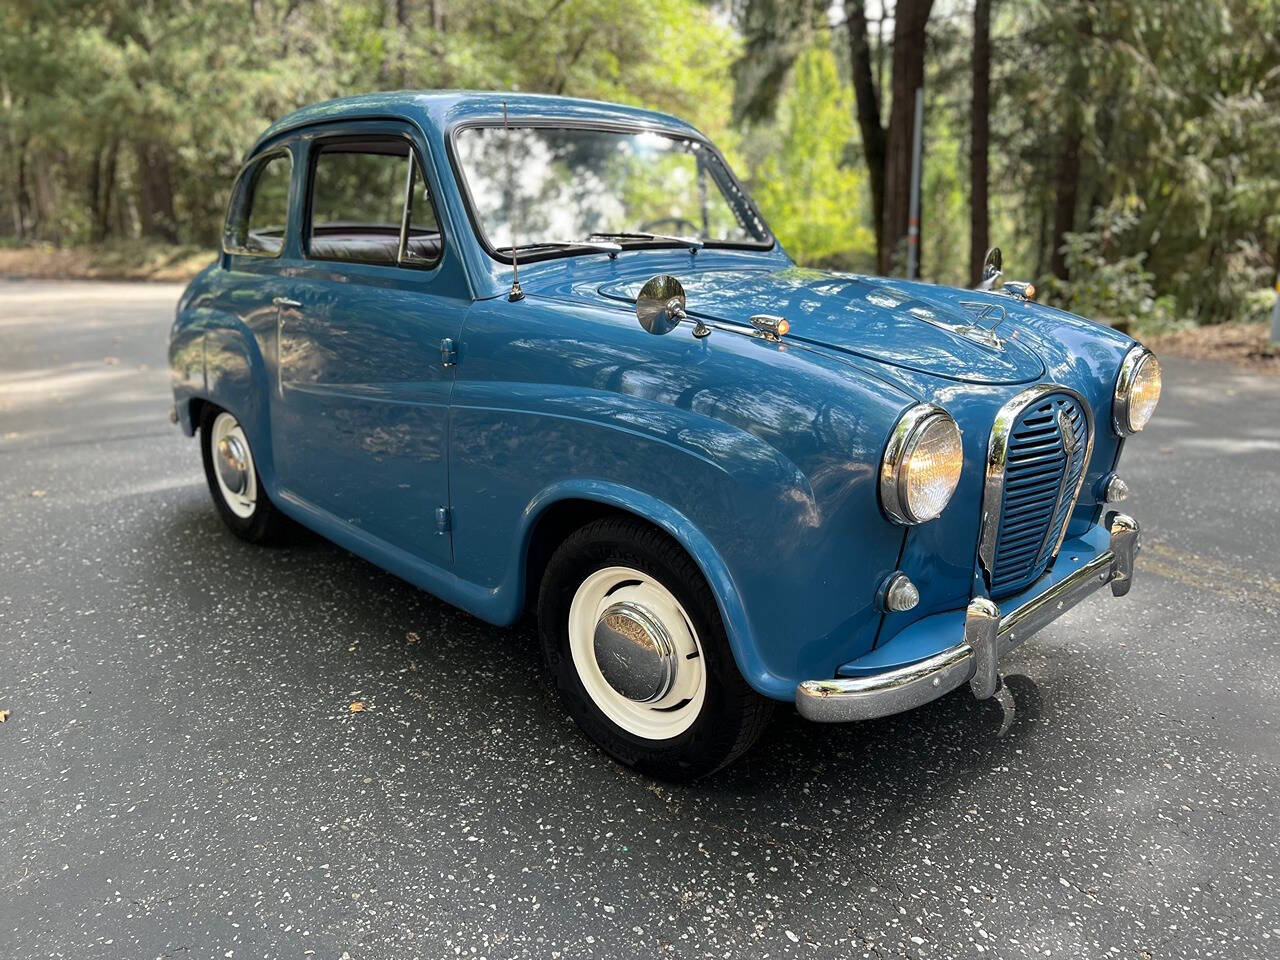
(541, 353)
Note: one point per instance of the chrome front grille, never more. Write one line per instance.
(1038, 454)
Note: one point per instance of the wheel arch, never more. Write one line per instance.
(237, 380)
(558, 512)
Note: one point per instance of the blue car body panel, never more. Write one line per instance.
(761, 458)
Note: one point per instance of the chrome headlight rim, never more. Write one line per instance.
(903, 440)
(1121, 403)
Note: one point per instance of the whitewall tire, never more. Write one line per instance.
(634, 640)
(234, 480)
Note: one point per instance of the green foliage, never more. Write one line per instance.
(1179, 104)
(1107, 286)
(126, 120)
(814, 200)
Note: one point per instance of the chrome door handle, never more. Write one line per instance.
(285, 302)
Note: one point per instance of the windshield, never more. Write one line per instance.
(560, 188)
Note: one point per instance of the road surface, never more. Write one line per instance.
(181, 775)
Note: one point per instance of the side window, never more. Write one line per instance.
(259, 211)
(369, 204)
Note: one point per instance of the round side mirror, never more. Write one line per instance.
(660, 304)
(992, 268)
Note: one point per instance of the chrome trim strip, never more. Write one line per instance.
(987, 636)
(997, 462)
(1084, 469)
(1039, 612)
(404, 215)
(1124, 383)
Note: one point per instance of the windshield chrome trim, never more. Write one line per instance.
(619, 125)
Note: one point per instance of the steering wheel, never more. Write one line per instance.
(680, 225)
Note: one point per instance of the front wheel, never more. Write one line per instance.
(234, 484)
(634, 640)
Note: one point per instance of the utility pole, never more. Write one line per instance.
(913, 221)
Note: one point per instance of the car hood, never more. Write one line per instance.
(934, 330)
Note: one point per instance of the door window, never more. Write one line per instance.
(370, 204)
(259, 211)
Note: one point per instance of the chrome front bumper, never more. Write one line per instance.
(989, 634)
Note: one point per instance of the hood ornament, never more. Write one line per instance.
(770, 327)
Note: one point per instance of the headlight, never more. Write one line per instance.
(921, 465)
(1137, 391)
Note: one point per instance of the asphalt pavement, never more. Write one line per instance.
(181, 774)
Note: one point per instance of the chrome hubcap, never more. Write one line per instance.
(636, 655)
(233, 464)
(636, 652)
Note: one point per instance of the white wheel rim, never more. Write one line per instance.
(674, 711)
(228, 434)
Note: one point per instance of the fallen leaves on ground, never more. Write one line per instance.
(357, 706)
(4, 715)
(38, 493)
(411, 637)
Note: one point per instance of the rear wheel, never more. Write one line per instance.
(233, 479)
(635, 642)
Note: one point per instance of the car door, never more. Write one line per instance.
(362, 393)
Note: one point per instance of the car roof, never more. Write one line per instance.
(445, 109)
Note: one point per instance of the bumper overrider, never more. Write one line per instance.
(989, 634)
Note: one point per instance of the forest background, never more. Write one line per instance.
(1125, 156)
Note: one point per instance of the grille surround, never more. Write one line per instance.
(1034, 478)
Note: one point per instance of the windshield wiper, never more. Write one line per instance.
(602, 246)
(689, 242)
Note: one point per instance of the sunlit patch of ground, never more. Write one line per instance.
(1243, 343)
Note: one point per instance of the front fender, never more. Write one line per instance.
(760, 458)
(696, 543)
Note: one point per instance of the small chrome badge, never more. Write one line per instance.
(1068, 434)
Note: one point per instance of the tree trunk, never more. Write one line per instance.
(93, 186)
(867, 98)
(1042, 225)
(910, 18)
(1068, 185)
(20, 219)
(107, 182)
(979, 137)
(44, 222)
(1064, 210)
(155, 193)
